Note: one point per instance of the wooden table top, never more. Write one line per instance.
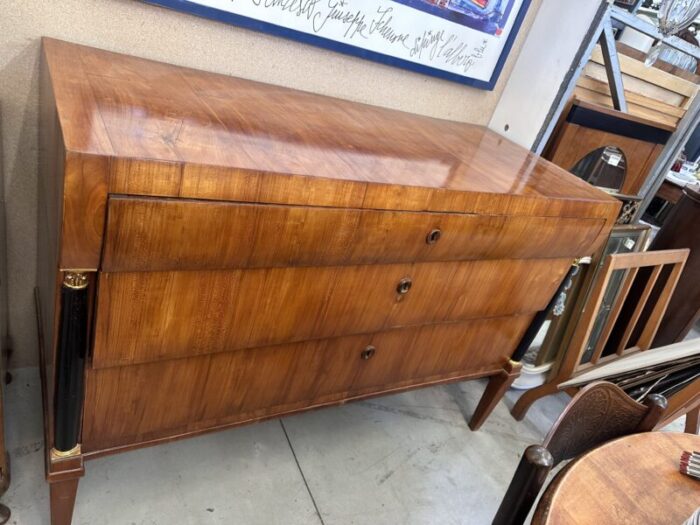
(632, 480)
(121, 106)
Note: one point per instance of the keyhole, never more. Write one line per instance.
(404, 286)
(368, 353)
(433, 236)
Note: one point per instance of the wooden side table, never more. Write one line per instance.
(634, 479)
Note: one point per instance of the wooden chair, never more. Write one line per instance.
(598, 413)
(631, 324)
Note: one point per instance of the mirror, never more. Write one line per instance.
(603, 167)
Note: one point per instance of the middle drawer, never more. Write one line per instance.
(149, 316)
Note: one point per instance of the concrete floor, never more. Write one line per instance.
(403, 459)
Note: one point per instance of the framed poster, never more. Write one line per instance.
(465, 41)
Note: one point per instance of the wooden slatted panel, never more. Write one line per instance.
(638, 86)
(571, 363)
(614, 314)
(651, 93)
(633, 98)
(638, 309)
(599, 99)
(637, 69)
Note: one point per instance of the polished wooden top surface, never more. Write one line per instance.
(115, 105)
(634, 479)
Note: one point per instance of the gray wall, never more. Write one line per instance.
(130, 26)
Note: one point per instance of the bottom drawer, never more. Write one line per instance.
(131, 404)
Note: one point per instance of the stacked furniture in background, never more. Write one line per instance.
(628, 238)
(657, 99)
(633, 317)
(615, 150)
(660, 94)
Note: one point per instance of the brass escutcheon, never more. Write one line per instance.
(368, 352)
(404, 285)
(433, 236)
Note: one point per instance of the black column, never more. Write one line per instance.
(540, 318)
(70, 361)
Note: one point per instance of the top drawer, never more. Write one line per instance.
(150, 234)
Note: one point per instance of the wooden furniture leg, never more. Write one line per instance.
(526, 400)
(495, 390)
(64, 473)
(63, 500)
(527, 482)
(692, 421)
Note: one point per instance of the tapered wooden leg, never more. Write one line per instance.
(692, 421)
(65, 470)
(495, 390)
(63, 500)
(528, 398)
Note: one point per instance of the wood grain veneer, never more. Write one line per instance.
(618, 473)
(571, 142)
(245, 244)
(157, 234)
(255, 383)
(204, 136)
(165, 315)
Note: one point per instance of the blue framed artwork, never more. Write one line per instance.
(464, 41)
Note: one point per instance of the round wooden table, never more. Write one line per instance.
(632, 480)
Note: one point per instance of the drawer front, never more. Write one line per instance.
(147, 234)
(148, 401)
(144, 316)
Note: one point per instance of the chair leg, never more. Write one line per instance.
(528, 398)
(525, 486)
(495, 390)
(692, 421)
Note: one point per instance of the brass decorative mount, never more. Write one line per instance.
(75, 280)
(60, 454)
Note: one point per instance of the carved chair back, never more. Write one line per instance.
(598, 413)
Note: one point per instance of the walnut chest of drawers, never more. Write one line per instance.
(216, 251)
